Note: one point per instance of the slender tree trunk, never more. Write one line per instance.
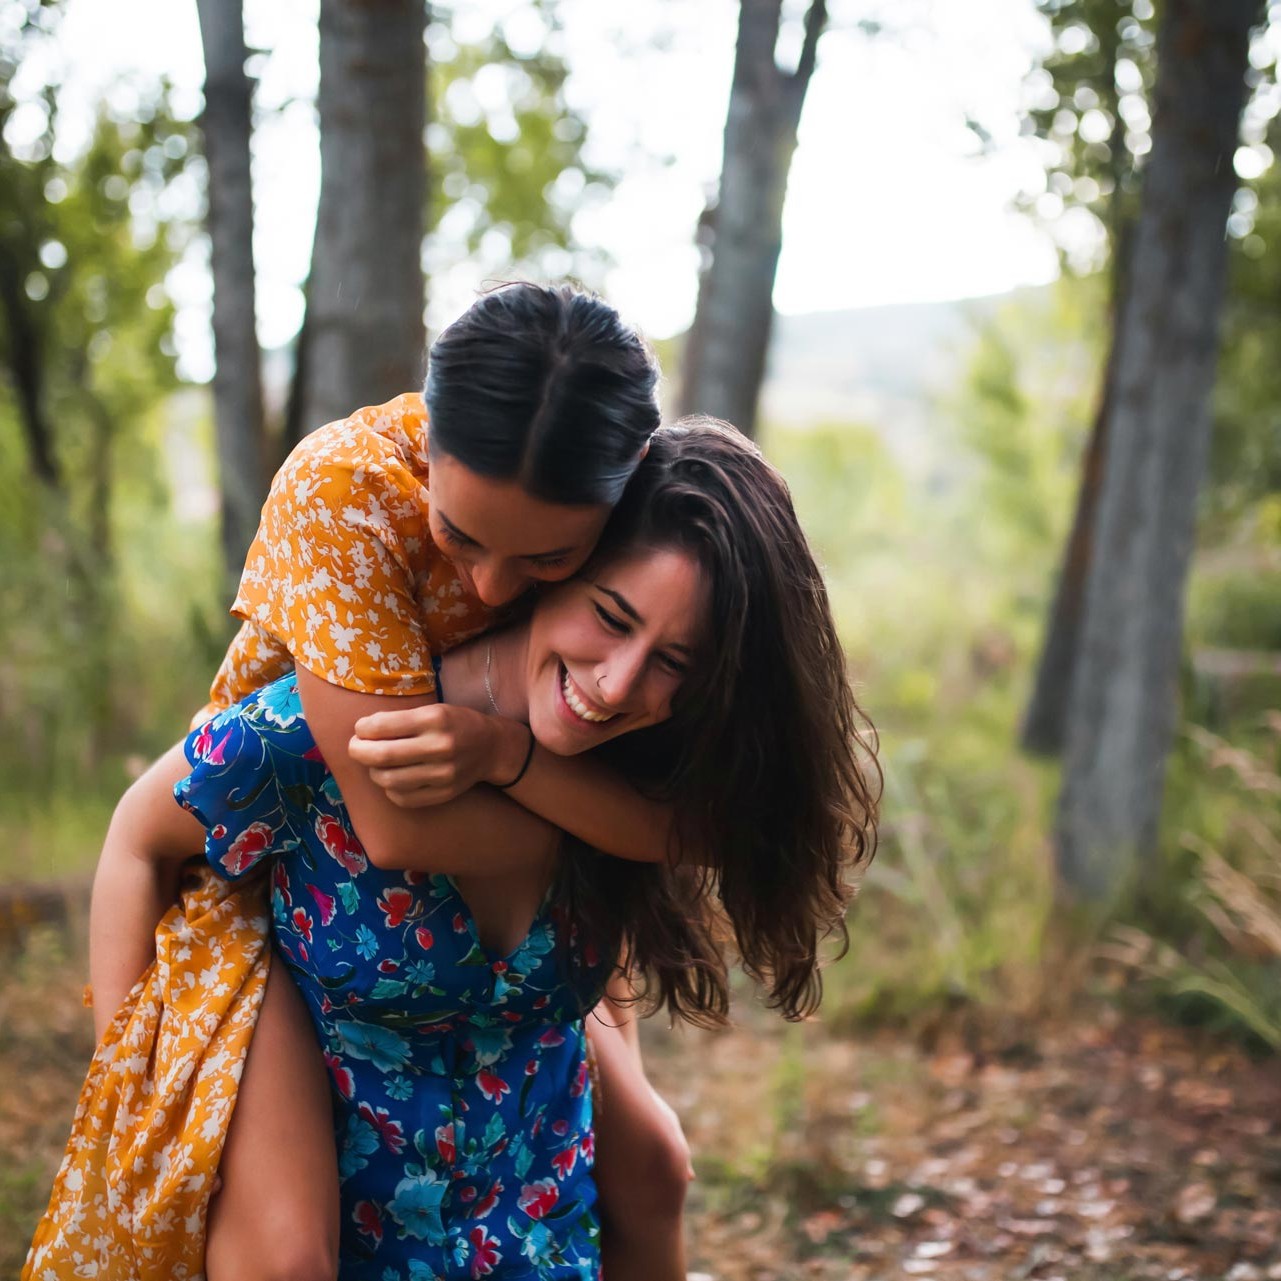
(237, 387)
(26, 367)
(365, 334)
(1045, 723)
(726, 350)
(1125, 681)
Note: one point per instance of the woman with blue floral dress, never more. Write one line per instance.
(462, 1100)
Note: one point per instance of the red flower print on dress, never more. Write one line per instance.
(587, 1146)
(565, 1161)
(245, 850)
(488, 1201)
(491, 1086)
(344, 1082)
(560, 1128)
(536, 1199)
(486, 1258)
(551, 1038)
(302, 922)
(396, 904)
(324, 902)
(580, 1082)
(341, 844)
(460, 925)
(280, 883)
(368, 1220)
(391, 1132)
(445, 1142)
(424, 937)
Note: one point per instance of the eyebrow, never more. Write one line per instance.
(630, 610)
(458, 533)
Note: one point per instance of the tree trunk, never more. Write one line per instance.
(237, 385)
(26, 368)
(1045, 723)
(365, 334)
(743, 234)
(1124, 686)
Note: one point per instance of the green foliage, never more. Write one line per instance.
(506, 166)
(86, 359)
(1208, 944)
(1088, 103)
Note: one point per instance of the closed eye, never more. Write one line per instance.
(614, 624)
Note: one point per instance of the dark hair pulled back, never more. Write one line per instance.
(767, 758)
(547, 387)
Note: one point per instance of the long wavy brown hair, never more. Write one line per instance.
(767, 759)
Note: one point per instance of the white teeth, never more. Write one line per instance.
(579, 708)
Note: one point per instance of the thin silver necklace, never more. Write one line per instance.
(489, 689)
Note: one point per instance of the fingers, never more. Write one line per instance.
(397, 753)
(414, 777)
(404, 723)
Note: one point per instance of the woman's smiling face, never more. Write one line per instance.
(609, 651)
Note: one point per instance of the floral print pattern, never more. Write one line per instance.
(462, 1097)
(343, 576)
(131, 1196)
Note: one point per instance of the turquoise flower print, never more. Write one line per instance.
(538, 1242)
(399, 1088)
(416, 1207)
(359, 1141)
(540, 942)
(366, 943)
(280, 702)
(388, 1051)
(421, 972)
(490, 1044)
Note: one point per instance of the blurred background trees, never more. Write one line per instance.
(936, 450)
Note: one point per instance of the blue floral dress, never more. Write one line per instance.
(462, 1100)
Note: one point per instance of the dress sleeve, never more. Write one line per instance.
(255, 770)
(332, 572)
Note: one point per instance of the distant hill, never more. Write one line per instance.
(879, 366)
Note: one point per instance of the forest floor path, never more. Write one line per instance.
(1090, 1148)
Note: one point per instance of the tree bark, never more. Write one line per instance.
(237, 385)
(1045, 722)
(365, 333)
(1045, 725)
(743, 234)
(1124, 686)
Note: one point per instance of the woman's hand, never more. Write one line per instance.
(429, 755)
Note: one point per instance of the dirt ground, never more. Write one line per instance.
(1096, 1149)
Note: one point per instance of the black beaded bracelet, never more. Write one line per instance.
(529, 756)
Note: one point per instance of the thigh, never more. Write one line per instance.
(277, 1212)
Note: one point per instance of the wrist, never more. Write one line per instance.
(511, 742)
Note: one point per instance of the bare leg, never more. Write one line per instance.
(642, 1160)
(276, 1217)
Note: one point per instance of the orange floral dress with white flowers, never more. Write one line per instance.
(343, 579)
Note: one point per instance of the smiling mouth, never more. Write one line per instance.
(582, 710)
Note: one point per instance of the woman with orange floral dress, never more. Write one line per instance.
(380, 546)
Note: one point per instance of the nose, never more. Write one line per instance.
(619, 676)
(496, 583)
